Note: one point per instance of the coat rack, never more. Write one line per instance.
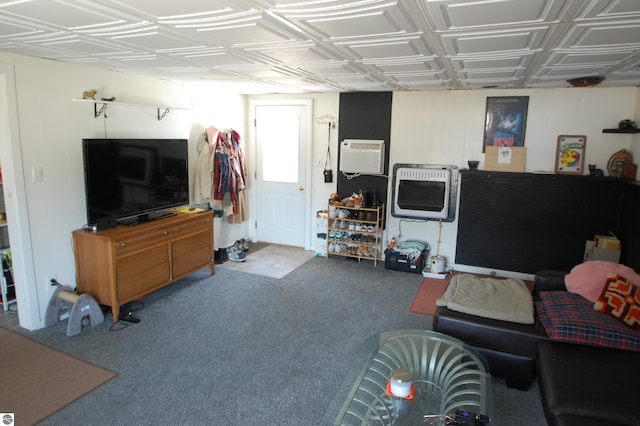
(327, 119)
(330, 122)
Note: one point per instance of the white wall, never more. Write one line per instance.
(447, 127)
(51, 127)
(213, 105)
(635, 140)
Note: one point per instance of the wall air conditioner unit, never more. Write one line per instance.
(362, 156)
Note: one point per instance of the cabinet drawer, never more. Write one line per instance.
(135, 242)
(139, 273)
(191, 226)
(192, 253)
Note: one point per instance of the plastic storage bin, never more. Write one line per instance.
(394, 259)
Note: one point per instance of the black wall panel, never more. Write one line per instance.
(525, 222)
(629, 233)
(365, 115)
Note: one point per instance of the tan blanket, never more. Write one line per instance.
(501, 299)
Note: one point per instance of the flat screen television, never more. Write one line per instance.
(134, 180)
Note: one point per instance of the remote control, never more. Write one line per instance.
(469, 418)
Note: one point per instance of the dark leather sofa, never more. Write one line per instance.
(511, 349)
(579, 385)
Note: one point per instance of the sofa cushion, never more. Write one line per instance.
(503, 299)
(621, 300)
(568, 317)
(589, 278)
(509, 348)
(588, 386)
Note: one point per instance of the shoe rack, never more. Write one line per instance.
(355, 232)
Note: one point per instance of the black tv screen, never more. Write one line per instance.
(134, 180)
(421, 195)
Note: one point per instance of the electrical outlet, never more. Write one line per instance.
(37, 173)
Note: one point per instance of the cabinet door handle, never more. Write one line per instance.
(177, 229)
(165, 233)
(123, 244)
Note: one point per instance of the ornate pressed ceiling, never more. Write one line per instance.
(269, 46)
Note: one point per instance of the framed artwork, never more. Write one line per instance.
(570, 154)
(505, 121)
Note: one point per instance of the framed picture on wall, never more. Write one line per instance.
(505, 121)
(570, 154)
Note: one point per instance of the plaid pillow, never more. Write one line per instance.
(621, 300)
(569, 317)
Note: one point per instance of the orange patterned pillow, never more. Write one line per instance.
(621, 300)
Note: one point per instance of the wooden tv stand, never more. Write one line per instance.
(119, 265)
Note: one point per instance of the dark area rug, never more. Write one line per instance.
(430, 290)
(37, 380)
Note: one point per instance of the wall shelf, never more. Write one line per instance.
(620, 130)
(100, 107)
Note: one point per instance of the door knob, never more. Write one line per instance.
(301, 188)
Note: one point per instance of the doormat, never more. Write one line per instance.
(272, 261)
(38, 380)
(430, 290)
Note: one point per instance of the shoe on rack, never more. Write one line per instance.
(245, 245)
(236, 255)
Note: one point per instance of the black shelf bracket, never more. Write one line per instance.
(162, 112)
(99, 110)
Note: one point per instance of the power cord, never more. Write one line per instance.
(55, 283)
(127, 315)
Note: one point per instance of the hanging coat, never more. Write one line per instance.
(203, 178)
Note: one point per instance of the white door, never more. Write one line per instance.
(281, 138)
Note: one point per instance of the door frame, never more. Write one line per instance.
(253, 157)
(16, 204)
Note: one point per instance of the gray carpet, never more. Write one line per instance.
(241, 349)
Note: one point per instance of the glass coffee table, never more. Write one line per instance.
(449, 377)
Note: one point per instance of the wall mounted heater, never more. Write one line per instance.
(424, 191)
(362, 156)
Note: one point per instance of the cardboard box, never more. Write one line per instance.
(591, 252)
(496, 162)
(607, 242)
